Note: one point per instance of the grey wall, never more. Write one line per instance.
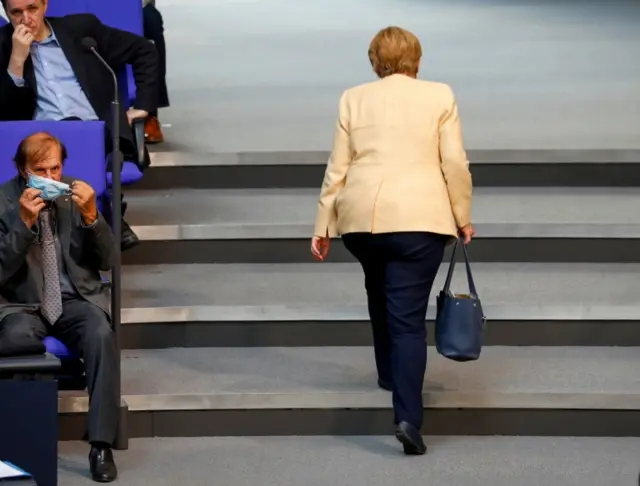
(266, 74)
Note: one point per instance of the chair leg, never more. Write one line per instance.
(122, 439)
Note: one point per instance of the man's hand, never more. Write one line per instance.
(30, 206)
(134, 113)
(21, 40)
(85, 198)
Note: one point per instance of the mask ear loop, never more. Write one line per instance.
(68, 191)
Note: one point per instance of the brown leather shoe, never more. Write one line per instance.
(153, 131)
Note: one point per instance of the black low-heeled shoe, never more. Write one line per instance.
(385, 385)
(410, 439)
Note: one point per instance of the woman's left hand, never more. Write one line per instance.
(320, 247)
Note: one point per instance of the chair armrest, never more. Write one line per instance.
(43, 363)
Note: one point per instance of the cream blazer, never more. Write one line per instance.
(398, 162)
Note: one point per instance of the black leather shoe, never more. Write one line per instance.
(128, 239)
(385, 385)
(103, 468)
(410, 439)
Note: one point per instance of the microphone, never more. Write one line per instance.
(90, 44)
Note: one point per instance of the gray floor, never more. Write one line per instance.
(351, 369)
(267, 75)
(373, 461)
(337, 284)
(267, 207)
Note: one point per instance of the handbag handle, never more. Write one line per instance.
(471, 283)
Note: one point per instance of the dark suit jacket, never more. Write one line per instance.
(85, 251)
(116, 46)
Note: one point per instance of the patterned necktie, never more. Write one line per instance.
(51, 307)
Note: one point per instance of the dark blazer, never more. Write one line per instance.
(116, 46)
(85, 251)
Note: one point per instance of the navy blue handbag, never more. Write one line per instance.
(460, 322)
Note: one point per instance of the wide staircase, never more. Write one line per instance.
(230, 328)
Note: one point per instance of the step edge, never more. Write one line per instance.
(175, 158)
(275, 231)
(355, 313)
(378, 399)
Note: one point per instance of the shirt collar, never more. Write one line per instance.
(52, 39)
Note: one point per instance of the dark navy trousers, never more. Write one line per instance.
(399, 270)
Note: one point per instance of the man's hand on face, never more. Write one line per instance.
(22, 39)
(30, 206)
(85, 198)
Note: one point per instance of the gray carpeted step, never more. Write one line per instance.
(365, 461)
(269, 212)
(325, 304)
(501, 168)
(531, 285)
(302, 391)
(340, 372)
(271, 226)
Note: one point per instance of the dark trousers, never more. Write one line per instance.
(399, 270)
(85, 329)
(153, 26)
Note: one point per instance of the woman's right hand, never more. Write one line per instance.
(467, 232)
(320, 247)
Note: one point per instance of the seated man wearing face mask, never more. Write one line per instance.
(53, 244)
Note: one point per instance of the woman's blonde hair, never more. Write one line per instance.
(394, 50)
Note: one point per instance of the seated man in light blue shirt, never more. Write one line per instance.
(59, 95)
(46, 73)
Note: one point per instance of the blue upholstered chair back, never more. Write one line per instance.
(84, 142)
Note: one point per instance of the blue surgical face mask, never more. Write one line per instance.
(50, 189)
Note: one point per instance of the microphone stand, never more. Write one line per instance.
(116, 225)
